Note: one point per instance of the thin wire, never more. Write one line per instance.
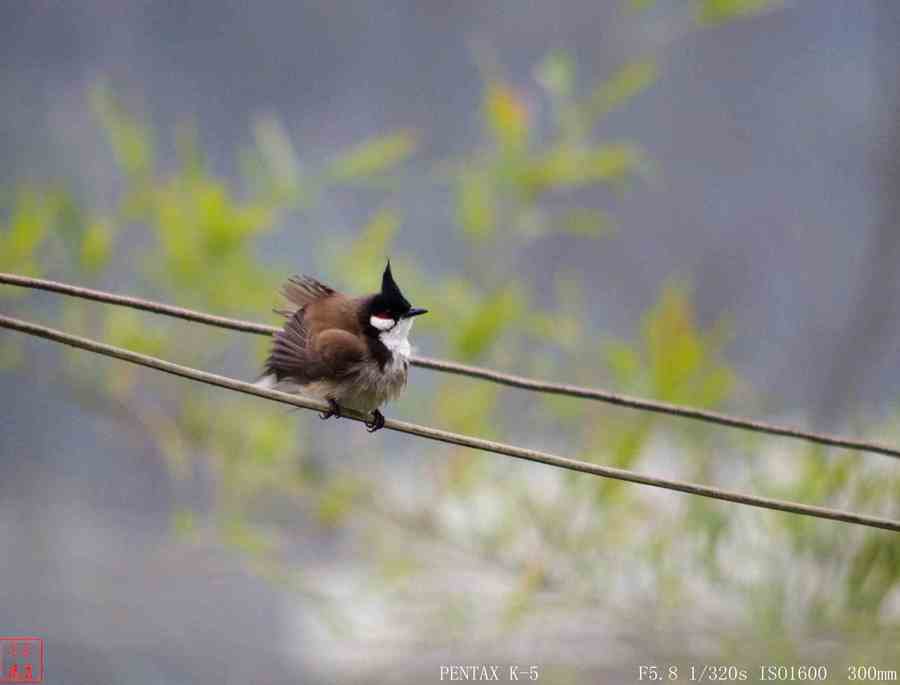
(507, 379)
(448, 437)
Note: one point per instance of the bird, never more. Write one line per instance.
(352, 352)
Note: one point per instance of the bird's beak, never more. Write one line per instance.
(415, 311)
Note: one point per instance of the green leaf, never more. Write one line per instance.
(131, 140)
(488, 322)
(684, 361)
(277, 153)
(874, 572)
(718, 11)
(673, 343)
(571, 166)
(624, 361)
(468, 408)
(27, 228)
(375, 156)
(507, 116)
(614, 162)
(205, 242)
(125, 328)
(336, 500)
(475, 203)
(69, 221)
(268, 438)
(624, 85)
(363, 259)
(96, 245)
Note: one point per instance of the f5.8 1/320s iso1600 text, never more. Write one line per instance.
(722, 673)
(769, 673)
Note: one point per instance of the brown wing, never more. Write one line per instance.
(301, 291)
(320, 339)
(337, 352)
(303, 356)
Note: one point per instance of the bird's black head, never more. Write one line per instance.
(389, 306)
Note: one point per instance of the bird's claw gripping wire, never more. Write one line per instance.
(377, 422)
(334, 409)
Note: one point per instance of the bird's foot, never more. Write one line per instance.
(334, 409)
(377, 422)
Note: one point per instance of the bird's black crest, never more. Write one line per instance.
(390, 293)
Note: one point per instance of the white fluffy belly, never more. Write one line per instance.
(364, 391)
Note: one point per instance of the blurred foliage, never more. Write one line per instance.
(373, 157)
(185, 234)
(716, 11)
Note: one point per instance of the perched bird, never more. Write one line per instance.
(352, 352)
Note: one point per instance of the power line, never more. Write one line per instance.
(507, 379)
(446, 436)
(137, 303)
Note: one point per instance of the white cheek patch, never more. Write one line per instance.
(397, 339)
(381, 324)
